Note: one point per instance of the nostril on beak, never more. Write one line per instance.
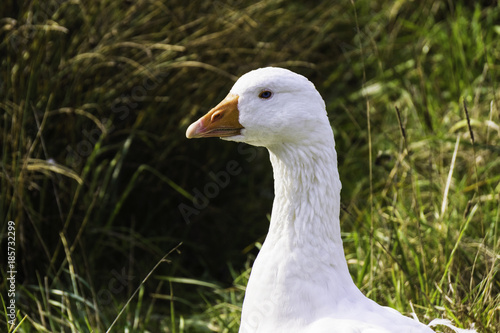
(217, 116)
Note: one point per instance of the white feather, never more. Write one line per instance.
(300, 280)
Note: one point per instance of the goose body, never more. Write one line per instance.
(300, 280)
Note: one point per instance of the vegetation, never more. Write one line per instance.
(101, 183)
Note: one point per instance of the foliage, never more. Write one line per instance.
(96, 172)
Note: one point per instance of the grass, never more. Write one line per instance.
(96, 97)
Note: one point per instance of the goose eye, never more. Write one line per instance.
(265, 94)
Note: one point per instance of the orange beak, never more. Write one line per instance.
(221, 121)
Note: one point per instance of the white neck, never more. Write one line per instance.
(307, 195)
(301, 269)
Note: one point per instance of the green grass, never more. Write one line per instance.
(95, 100)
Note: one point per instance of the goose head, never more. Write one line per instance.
(266, 107)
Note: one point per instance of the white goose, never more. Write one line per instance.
(300, 281)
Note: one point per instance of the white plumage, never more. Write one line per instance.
(300, 280)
